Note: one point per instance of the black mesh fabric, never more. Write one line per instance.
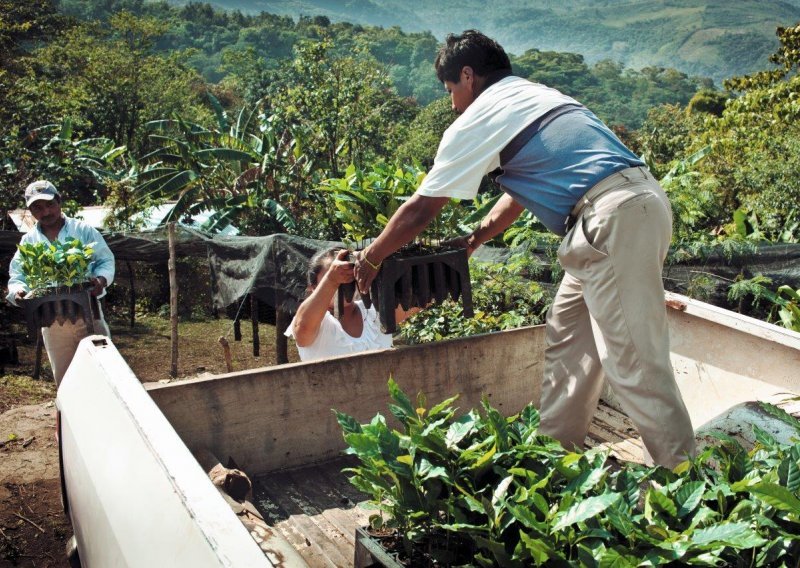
(274, 267)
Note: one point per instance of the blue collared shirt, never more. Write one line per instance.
(102, 263)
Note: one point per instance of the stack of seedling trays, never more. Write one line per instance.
(416, 276)
(59, 304)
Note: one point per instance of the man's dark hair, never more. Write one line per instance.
(471, 48)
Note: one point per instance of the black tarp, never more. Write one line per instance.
(780, 263)
(719, 268)
(273, 268)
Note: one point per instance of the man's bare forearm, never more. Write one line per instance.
(409, 221)
(500, 218)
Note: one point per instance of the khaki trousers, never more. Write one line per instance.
(609, 320)
(61, 342)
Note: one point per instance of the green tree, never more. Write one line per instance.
(109, 81)
(566, 72)
(346, 105)
(23, 26)
(756, 154)
(667, 134)
(252, 172)
(708, 101)
(424, 133)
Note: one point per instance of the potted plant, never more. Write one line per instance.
(494, 489)
(58, 277)
(419, 275)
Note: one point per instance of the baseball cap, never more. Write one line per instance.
(41, 189)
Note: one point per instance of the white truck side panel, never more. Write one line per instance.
(129, 459)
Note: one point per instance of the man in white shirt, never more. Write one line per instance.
(61, 340)
(554, 157)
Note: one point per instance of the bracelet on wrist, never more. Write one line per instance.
(373, 266)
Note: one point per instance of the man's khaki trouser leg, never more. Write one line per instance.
(573, 377)
(610, 308)
(61, 342)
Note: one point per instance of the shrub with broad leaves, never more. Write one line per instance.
(61, 263)
(496, 492)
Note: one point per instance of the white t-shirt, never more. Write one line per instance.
(470, 147)
(333, 340)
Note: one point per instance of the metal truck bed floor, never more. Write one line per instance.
(317, 510)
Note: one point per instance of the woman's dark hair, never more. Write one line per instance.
(471, 48)
(319, 261)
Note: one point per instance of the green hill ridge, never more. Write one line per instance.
(716, 39)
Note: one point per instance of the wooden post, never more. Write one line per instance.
(132, 280)
(37, 364)
(254, 321)
(226, 351)
(237, 328)
(173, 300)
(281, 341)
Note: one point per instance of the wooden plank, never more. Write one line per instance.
(612, 429)
(318, 541)
(337, 509)
(316, 509)
(338, 481)
(278, 519)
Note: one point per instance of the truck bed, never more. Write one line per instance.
(276, 424)
(317, 510)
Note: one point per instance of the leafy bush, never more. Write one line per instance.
(365, 199)
(521, 499)
(55, 264)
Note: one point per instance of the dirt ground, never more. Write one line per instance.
(33, 527)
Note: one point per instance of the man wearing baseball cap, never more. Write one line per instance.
(61, 340)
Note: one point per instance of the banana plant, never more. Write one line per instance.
(63, 156)
(248, 171)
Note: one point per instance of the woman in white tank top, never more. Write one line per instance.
(318, 333)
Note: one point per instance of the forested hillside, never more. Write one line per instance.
(699, 37)
(251, 48)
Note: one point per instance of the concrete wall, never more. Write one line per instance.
(281, 416)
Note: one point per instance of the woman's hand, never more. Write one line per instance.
(340, 270)
(311, 312)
